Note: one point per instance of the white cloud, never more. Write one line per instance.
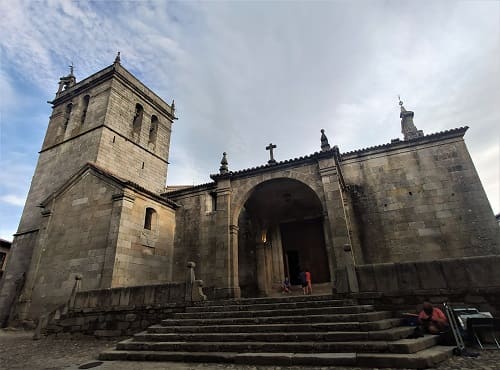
(13, 199)
(244, 74)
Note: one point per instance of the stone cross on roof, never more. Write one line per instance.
(270, 147)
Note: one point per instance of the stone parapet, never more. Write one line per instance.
(120, 311)
(469, 281)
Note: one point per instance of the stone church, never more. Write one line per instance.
(98, 206)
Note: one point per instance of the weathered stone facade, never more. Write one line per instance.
(97, 207)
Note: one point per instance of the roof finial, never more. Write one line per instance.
(401, 104)
(223, 164)
(324, 142)
(408, 128)
(173, 105)
(117, 59)
(71, 69)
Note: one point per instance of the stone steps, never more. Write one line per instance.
(275, 312)
(309, 327)
(367, 316)
(264, 300)
(398, 346)
(421, 360)
(388, 334)
(283, 331)
(270, 306)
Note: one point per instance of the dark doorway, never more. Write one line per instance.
(292, 266)
(280, 230)
(304, 240)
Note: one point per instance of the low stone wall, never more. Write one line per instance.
(120, 311)
(470, 280)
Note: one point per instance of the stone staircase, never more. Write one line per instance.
(292, 330)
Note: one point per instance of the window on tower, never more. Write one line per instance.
(86, 100)
(67, 115)
(153, 129)
(137, 123)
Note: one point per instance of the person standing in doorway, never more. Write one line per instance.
(303, 281)
(309, 289)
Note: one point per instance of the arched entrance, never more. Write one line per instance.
(280, 232)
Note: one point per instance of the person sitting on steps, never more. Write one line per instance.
(432, 319)
(286, 287)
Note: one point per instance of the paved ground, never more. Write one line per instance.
(19, 351)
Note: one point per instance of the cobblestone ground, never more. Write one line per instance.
(19, 351)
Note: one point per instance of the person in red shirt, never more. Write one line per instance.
(309, 289)
(432, 319)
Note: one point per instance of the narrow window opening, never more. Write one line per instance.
(150, 219)
(114, 138)
(137, 123)
(67, 114)
(142, 165)
(410, 193)
(86, 100)
(153, 129)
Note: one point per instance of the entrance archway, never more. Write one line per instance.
(280, 232)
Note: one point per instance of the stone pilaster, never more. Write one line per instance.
(21, 310)
(226, 255)
(337, 222)
(121, 202)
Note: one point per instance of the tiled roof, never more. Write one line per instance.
(397, 144)
(329, 153)
(189, 189)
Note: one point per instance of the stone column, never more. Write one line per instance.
(260, 259)
(337, 223)
(278, 271)
(226, 255)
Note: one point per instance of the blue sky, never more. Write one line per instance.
(244, 74)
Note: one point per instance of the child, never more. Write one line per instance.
(286, 287)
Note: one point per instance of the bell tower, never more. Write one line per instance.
(110, 119)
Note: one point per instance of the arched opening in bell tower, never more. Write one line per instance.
(280, 232)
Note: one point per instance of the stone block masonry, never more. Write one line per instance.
(470, 280)
(120, 311)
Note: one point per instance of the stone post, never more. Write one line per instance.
(189, 281)
(76, 288)
(194, 288)
(226, 257)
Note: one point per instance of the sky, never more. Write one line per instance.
(244, 74)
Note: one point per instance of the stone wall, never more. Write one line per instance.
(120, 311)
(144, 256)
(195, 234)
(468, 280)
(420, 201)
(74, 241)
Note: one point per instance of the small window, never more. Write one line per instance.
(86, 100)
(150, 219)
(67, 114)
(2, 259)
(153, 129)
(137, 123)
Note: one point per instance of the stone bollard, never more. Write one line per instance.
(76, 288)
(198, 291)
(194, 288)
